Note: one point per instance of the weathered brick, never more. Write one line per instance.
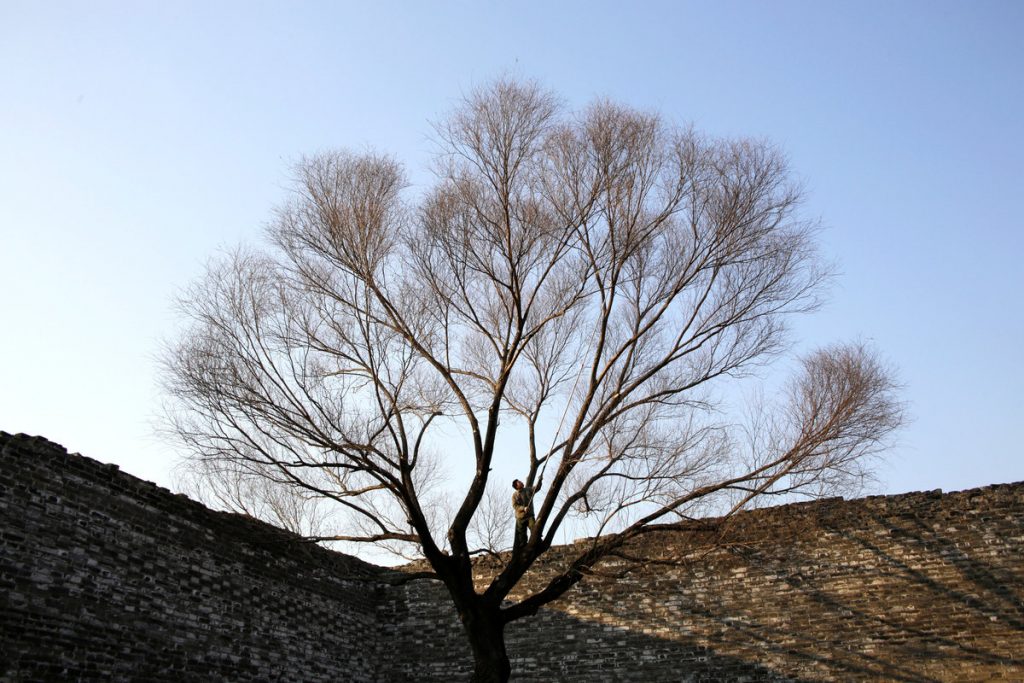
(107, 577)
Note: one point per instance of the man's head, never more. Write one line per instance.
(517, 484)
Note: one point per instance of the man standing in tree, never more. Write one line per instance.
(522, 504)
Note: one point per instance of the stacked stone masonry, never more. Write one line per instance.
(104, 577)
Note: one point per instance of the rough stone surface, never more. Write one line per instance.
(107, 577)
(915, 587)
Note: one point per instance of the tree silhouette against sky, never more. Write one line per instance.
(582, 282)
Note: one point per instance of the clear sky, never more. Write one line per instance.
(138, 138)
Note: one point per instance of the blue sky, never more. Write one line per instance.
(138, 138)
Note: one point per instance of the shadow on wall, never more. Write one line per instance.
(553, 646)
(827, 636)
(106, 577)
(577, 650)
(944, 608)
(928, 592)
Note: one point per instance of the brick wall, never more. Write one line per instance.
(106, 577)
(916, 587)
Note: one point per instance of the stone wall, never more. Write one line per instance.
(106, 577)
(915, 587)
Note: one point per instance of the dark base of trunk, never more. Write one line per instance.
(487, 637)
(492, 671)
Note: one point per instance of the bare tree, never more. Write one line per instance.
(254, 491)
(601, 270)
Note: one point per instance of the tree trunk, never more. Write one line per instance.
(486, 634)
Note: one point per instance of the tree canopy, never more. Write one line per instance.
(587, 278)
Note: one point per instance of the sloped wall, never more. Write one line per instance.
(106, 577)
(916, 587)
